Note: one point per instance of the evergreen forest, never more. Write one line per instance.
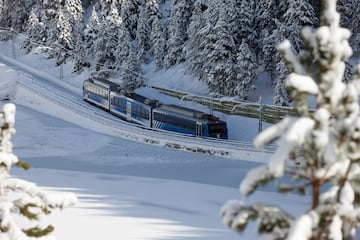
(224, 43)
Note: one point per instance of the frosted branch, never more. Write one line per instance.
(273, 133)
(290, 58)
(17, 195)
(302, 84)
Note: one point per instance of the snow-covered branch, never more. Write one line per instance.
(327, 141)
(20, 197)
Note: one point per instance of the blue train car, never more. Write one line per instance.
(150, 113)
(97, 91)
(132, 107)
(179, 119)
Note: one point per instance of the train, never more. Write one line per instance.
(151, 113)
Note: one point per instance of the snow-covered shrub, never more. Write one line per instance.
(19, 197)
(320, 150)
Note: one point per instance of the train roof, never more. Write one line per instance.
(105, 83)
(187, 112)
(142, 99)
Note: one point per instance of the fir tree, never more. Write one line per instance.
(1, 8)
(233, 20)
(348, 72)
(273, 63)
(19, 197)
(320, 150)
(36, 33)
(152, 10)
(74, 10)
(130, 14)
(107, 43)
(179, 22)
(80, 58)
(127, 64)
(91, 33)
(245, 68)
(246, 22)
(142, 36)
(271, 40)
(218, 52)
(47, 13)
(197, 31)
(350, 11)
(280, 93)
(159, 43)
(298, 15)
(104, 7)
(15, 13)
(265, 13)
(64, 44)
(131, 71)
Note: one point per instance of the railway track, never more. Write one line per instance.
(73, 104)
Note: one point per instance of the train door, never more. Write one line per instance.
(199, 129)
(128, 111)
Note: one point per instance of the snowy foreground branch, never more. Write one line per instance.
(19, 197)
(319, 150)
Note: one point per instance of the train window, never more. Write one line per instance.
(217, 129)
(140, 111)
(100, 92)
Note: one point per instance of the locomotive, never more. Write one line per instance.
(151, 113)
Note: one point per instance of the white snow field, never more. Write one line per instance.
(127, 189)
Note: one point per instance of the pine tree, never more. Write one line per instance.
(179, 23)
(131, 71)
(47, 13)
(19, 197)
(319, 151)
(298, 15)
(348, 72)
(127, 64)
(273, 63)
(269, 44)
(159, 43)
(107, 43)
(265, 14)
(350, 11)
(36, 33)
(142, 36)
(245, 68)
(15, 13)
(130, 14)
(233, 20)
(74, 10)
(64, 44)
(104, 7)
(246, 22)
(80, 58)
(1, 8)
(218, 52)
(281, 97)
(91, 33)
(152, 10)
(197, 31)
(317, 6)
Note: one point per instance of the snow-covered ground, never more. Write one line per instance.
(128, 190)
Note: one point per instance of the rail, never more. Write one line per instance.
(114, 126)
(267, 113)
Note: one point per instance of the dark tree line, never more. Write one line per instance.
(224, 43)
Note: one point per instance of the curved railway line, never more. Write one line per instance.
(72, 103)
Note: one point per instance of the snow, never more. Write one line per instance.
(124, 188)
(302, 228)
(302, 84)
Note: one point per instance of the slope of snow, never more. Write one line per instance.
(126, 189)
